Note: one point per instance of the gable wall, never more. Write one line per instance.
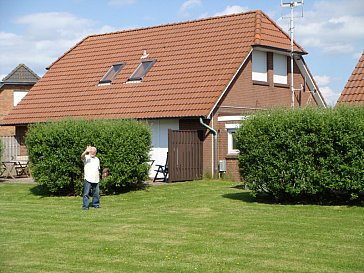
(246, 96)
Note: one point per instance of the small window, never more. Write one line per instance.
(112, 73)
(259, 66)
(141, 70)
(280, 68)
(18, 96)
(232, 145)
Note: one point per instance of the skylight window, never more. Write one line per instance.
(112, 73)
(141, 70)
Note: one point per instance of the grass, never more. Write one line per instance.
(203, 226)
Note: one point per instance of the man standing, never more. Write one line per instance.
(91, 178)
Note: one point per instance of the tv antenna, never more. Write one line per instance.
(292, 5)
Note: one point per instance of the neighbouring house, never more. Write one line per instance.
(354, 89)
(193, 82)
(12, 90)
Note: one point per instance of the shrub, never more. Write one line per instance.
(55, 149)
(305, 153)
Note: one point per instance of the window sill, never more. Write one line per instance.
(260, 83)
(232, 156)
(104, 83)
(282, 85)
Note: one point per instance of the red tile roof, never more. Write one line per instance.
(354, 89)
(195, 62)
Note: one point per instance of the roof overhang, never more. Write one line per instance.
(16, 83)
(277, 50)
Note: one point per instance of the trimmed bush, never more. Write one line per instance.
(303, 154)
(55, 150)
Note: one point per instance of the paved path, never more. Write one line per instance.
(20, 180)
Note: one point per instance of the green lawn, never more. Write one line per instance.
(201, 226)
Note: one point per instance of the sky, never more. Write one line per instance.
(38, 32)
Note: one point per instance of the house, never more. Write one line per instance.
(205, 75)
(12, 89)
(354, 89)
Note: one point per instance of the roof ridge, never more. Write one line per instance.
(258, 25)
(150, 27)
(172, 24)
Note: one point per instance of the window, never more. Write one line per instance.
(232, 149)
(259, 66)
(141, 70)
(231, 130)
(280, 68)
(112, 73)
(18, 96)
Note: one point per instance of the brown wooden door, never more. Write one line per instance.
(184, 155)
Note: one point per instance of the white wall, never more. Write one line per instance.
(160, 140)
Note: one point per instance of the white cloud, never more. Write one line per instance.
(188, 5)
(54, 25)
(46, 37)
(322, 80)
(330, 95)
(232, 10)
(333, 26)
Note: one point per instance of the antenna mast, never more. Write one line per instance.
(292, 5)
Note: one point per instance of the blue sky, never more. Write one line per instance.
(37, 32)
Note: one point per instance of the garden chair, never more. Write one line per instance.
(163, 169)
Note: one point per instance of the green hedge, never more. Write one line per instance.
(304, 154)
(55, 150)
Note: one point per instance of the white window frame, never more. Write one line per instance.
(280, 73)
(259, 66)
(231, 129)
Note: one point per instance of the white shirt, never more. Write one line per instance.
(91, 169)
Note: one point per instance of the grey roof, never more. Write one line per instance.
(21, 75)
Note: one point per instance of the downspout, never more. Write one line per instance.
(213, 131)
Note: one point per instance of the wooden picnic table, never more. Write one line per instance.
(8, 167)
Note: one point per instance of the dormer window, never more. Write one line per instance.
(112, 73)
(141, 70)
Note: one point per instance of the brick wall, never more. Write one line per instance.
(7, 103)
